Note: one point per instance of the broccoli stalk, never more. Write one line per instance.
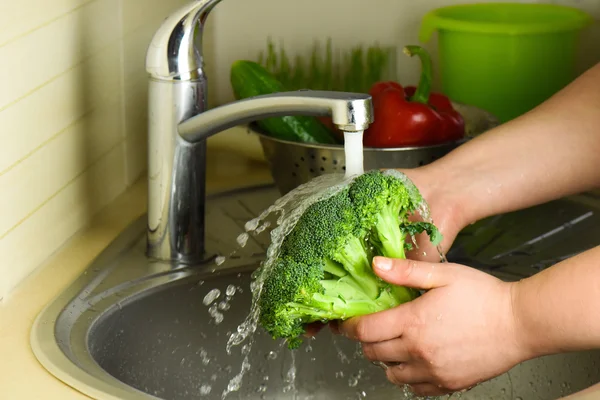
(323, 271)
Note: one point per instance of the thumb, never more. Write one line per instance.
(414, 274)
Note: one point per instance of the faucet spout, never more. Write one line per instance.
(349, 111)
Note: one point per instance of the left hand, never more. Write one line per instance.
(459, 333)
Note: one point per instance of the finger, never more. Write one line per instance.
(379, 326)
(389, 351)
(334, 326)
(311, 330)
(428, 389)
(415, 274)
(407, 374)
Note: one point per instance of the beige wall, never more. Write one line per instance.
(72, 117)
(73, 95)
(241, 26)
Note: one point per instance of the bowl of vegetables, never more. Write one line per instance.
(412, 127)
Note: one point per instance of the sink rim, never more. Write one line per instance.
(43, 338)
(51, 356)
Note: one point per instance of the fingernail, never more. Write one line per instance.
(382, 263)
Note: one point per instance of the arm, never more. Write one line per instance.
(555, 310)
(548, 153)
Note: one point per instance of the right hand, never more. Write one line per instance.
(446, 212)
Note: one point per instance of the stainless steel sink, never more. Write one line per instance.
(129, 328)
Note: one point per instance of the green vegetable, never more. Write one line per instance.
(352, 70)
(249, 79)
(323, 271)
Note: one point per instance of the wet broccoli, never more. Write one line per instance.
(323, 271)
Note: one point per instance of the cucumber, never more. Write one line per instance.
(249, 79)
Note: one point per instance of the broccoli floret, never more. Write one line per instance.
(323, 271)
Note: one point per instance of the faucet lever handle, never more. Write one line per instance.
(175, 51)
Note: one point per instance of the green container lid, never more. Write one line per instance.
(504, 19)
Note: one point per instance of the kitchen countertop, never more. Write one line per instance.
(21, 376)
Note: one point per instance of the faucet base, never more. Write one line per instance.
(176, 174)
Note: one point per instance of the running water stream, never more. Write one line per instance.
(288, 210)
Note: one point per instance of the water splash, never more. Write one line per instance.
(236, 382)
(288, 209)
(290, 377)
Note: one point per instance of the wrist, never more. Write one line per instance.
(528, 343)
(443, 190)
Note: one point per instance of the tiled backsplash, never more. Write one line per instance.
(72, 118)
(73, 94)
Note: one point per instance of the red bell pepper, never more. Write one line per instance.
(412, 116)
(453, 123)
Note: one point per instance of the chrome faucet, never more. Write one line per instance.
(179, 125)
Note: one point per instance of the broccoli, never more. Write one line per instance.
(323, 270)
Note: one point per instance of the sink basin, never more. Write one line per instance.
(131, 328)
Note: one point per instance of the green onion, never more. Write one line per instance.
(353, 70)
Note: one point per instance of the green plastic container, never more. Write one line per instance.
(506, 58)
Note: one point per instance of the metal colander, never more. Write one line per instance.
(294, 163)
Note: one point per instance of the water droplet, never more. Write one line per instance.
(242, 239)
(219, 260)
(353, 381)
(204, 357)
(261, 388)
(218, 318)
(264, 226)
(246, 349)
(309, 348)
(230, 291)
(211, 296)
(200, 283)
(252, 224)
(271, 355)
(205, 390)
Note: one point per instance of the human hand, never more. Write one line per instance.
(446, 211)
(459, 333)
